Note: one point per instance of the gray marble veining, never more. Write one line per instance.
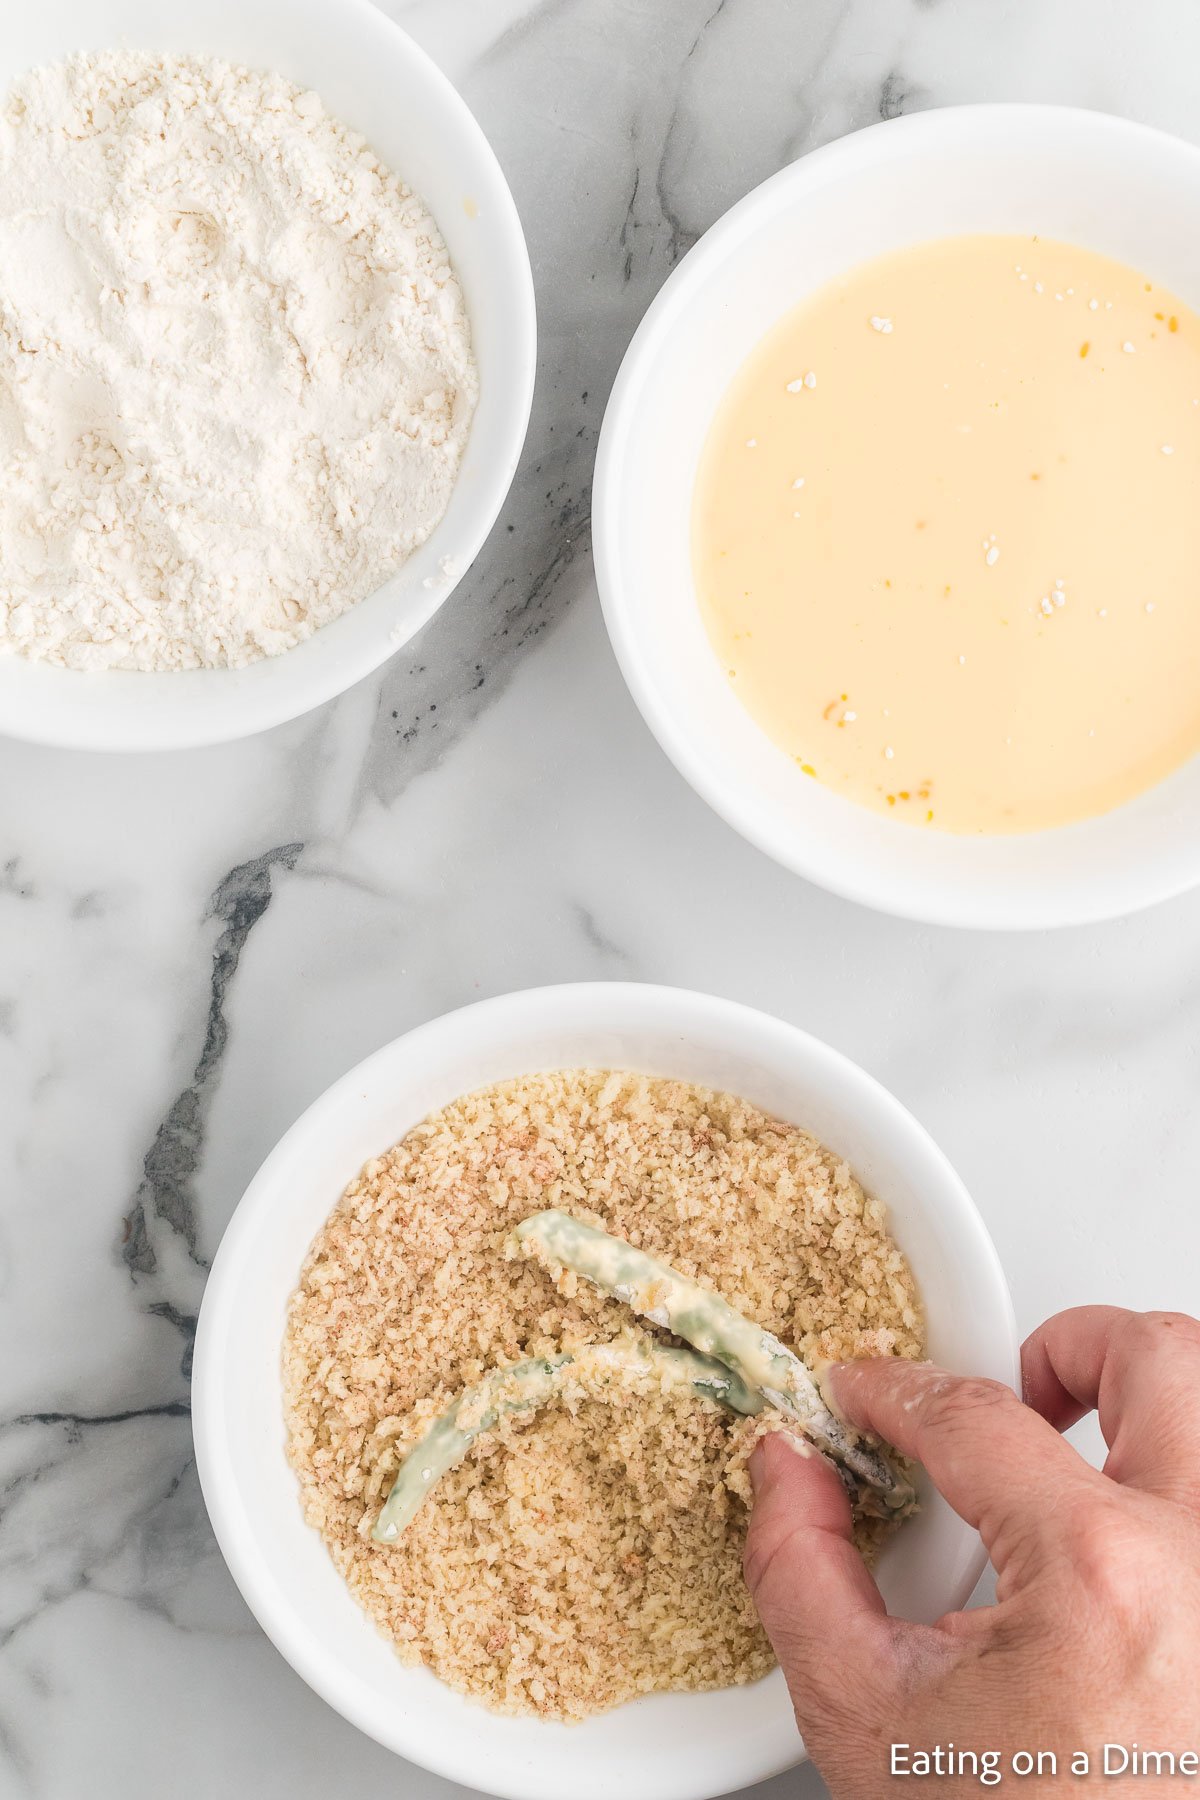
(193, 946)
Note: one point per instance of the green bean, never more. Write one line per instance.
(534, 1383)
(659, 1293)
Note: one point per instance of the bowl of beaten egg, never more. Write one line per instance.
(895, 526)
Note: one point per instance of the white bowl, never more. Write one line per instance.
(1101, 182)
(372, 76)
(666, 1747)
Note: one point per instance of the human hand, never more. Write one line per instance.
(1093, 1636)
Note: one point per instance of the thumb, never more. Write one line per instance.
(808, 1582)
(850, 1669)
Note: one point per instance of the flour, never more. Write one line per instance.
(235, 366)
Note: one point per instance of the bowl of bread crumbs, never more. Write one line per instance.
(488, 1342)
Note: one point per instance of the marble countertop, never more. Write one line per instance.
(193, 946)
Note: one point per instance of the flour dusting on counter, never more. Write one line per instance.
(236, 376)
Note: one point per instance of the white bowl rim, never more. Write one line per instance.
(1149, 886)
(219, 1480)
(324, 680)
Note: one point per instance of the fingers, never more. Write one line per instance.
(1000, 1465)
(1141, 1372)
(1062, 1360)
(806, 1577)
(842, 1656)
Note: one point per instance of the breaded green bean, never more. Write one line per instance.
(659, 1293)
(526, 1385)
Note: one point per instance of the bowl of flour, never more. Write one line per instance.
(267, 346)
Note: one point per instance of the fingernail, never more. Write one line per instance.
(829, 1380)
(757, 1464)
(755, 1469)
